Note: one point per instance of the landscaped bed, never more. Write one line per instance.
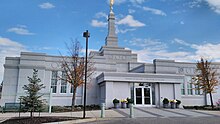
(47, 119)
(205, 107)
(76, 108)
(37, 120)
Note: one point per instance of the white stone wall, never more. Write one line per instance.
(166, 91)
(107, 60)
(9, 90)
(193, 100)
(118, 90)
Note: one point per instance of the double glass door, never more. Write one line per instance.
(143, 96)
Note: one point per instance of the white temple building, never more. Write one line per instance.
(118, 75)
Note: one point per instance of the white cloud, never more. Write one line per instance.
(44, 48)
(118, 2)
(178, 11)
(89, 50)
(208, 50)
(130, 21)
(155, 11)
(150, 44)
(46, 5)
(20, 29)
(182, 22)
(215, 5)
(100, 15)
(130, 11)
(143, 55)
(146, 54)
(137, 1)
(194, 3)
(124, 30)
(96, 23)
(182, 42)
(8, 48)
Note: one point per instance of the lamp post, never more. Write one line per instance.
(86, 35)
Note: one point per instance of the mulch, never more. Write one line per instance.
(37, 120)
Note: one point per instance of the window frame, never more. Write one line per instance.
(54, 81)
(63, 84)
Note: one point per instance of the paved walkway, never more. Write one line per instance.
(140, 112)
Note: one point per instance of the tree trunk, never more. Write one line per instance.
(73, 98)
(31, 113)
(211, 100)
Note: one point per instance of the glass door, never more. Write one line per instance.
(147, 96)
(138, 96)
(143, 96)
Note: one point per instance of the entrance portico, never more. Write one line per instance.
(145, 89)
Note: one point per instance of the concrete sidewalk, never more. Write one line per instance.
(140, 112)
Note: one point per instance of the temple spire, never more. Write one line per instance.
(111, 39)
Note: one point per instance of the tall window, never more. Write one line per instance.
(189, 89)
(197, 90)
(54, 81)
(188, 80)
(71, 89)
(63, 83)
(183, 89)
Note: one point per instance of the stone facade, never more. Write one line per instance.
(118, 75)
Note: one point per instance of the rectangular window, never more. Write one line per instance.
(189, 85)
(189, 88)
(54, 81)
(183, 89)
(63, 83)
(71, 89)
(197, 91)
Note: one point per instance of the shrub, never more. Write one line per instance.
(204, 107)
(188, 107)
(60, 109)
(173, 101)
(178, 101)
(124, 101)
(94, 107)
(130, 100)
(76, 108)
(165, 101)
(116, 101)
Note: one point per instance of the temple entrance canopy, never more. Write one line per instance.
(145, 89)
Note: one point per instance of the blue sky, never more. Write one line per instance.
(184, 30)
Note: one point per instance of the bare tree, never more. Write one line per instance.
(74, 68)
(206, 79)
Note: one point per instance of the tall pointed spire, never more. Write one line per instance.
(111, 39)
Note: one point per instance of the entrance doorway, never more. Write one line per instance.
(143, 96)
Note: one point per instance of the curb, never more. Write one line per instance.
(74, 121)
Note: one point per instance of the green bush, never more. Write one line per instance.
(116, 101)
(45, 108)
(60, 109)
(205, 107)
(130, 100)
(165, 101)
(77, 108)
(92, 107)
(178, 101)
